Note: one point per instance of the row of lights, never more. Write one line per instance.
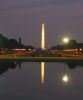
(73, 49)
(13, 49)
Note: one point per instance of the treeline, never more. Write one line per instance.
(73, 44)
(11, 43)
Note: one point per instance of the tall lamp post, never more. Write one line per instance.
(65, 76)
(65, 41)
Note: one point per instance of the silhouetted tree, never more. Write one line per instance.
(12, 43)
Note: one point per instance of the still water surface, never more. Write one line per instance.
(31, 81)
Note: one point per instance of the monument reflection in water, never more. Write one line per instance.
(4, 66)
(42, 72)
(23, 82)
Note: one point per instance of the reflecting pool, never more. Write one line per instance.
(41, 81)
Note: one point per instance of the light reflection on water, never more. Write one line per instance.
(42, 72)
(23, 81)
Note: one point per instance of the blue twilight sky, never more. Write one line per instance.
(23, 18)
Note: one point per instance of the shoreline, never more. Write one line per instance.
(43, 59)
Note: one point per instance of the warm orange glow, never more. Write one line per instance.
(42, 72)
(43, 37)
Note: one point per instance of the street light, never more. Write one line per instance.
(65, 40)
(65, 78)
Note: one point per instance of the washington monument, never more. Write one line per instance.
(43, 37)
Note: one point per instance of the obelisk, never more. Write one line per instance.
(43, 37)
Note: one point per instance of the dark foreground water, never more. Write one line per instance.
(23, 81)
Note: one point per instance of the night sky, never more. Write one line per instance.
(23, 18)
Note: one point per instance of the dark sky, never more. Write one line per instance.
(23, 18)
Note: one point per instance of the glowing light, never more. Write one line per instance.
(43, 37)
(29, 49)
(76, 49)
(65, 40)
(42, 72)
(65, 78)
(80, 49)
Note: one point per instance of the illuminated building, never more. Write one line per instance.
(43, 37)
